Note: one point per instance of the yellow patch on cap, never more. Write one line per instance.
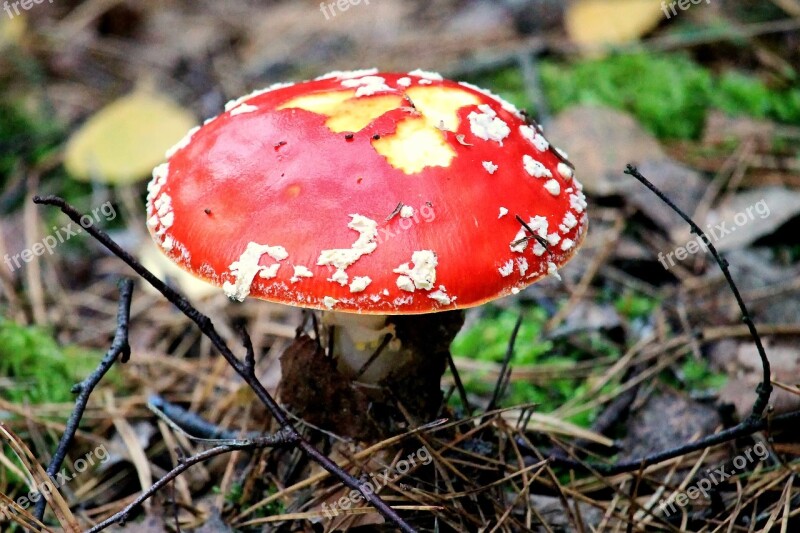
(345, 112)
(440, 105)
(415, 145)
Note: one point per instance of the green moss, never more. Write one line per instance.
(488, 339)
(632, 305)
(35, 369)
(670, 94)
(697, 375)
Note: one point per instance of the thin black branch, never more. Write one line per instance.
(505, 370)
(764, 389)
(462, 392)
(207, 328)
(119, 348)
(186, 463)
(754, 422)
(384, 343)
(195, 426)
(250, 355)
(745, 429)
(533, 235)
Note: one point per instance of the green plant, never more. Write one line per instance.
(35, 369)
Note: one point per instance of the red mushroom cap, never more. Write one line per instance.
(368, 192)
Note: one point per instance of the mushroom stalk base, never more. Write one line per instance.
(334, 393)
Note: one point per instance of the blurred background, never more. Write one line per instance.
(633, 349)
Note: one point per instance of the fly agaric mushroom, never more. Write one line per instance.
(370, 196)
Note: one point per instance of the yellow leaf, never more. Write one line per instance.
(122, 142)
(592, 23)
(11, 31)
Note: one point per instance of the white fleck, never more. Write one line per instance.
(344, 74)
(553, 239)
(565, 170)
(386, 292)
(505, 104)
(367, 85)
(534, 137)
(340, 277)
(163, 205)
(258, 92)
(405, 81)
(552, 270)
(566, 244)
(244, 108)
(270, 271)
(159, 178)
(405, 283)
(406, 211)
(514, 290)
(246, 268)
(535, 168)
(360, 283)
(425, 82)
(540, 142)
(521, 244)
(577, 202)
(507, 268)
(168, 243)
(300, 272)
(552, 187)
(329, 302)
(167, 220)
(183, 143)
(365, 244)
(568, 222)
(152, 222)
(403, 300)
(375, 298)
(522, 263)
(503, 212)
(487, 125)
(490, 167)
(562, 153)
(423, 274)
(427, 74)
(538, 249)
(441, 296)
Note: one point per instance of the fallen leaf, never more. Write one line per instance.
(593, 23)
(600, 142)
(11, 31)
(667, 419)
(122, 142)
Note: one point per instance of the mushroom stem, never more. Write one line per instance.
(401, 386)
(357, 339)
